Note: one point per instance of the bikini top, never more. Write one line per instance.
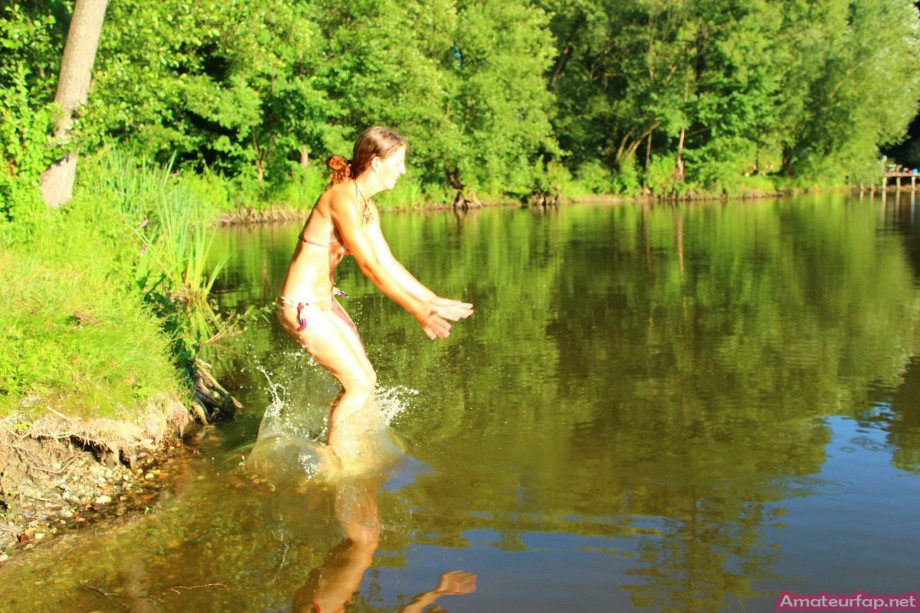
(335, 245)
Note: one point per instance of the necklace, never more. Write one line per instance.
(366, 215)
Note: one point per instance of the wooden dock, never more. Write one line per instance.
(896, 176)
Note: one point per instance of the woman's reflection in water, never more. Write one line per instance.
(330, 587)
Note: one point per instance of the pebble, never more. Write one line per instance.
(104, 499)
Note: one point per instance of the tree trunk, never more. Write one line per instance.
(679, 167)
(72, 92)
(568, 48)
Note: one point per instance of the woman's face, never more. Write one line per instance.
(390, 168)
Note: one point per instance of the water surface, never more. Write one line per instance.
(673, 408)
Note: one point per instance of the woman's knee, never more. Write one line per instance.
(362, 384)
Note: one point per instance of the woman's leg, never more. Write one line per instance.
(332, 340)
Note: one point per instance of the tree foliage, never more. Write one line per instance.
(661, 94)
(807, 89)
(28, 40)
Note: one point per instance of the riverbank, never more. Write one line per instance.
(285, 212)
(59, 473)
(104, 310)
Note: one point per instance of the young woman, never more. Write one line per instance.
(345, 221)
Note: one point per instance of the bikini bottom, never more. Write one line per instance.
(324, 304)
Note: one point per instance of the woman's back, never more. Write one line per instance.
(318, 252)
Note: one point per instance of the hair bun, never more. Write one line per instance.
(340, 167)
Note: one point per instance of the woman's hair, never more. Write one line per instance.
(373, 142)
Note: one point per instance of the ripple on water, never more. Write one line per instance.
(812, 486)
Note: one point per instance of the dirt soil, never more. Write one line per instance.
(58, 472)
(51, 484)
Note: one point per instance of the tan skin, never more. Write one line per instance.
(454, 582)
(337, 223)
(330, 587)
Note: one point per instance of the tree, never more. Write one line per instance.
(463, 81)
(500, 102)
(72, 93)
(738, 87)
(851, 84)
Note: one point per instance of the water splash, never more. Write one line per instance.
(392, 401)
(305, 418)
(291, 442)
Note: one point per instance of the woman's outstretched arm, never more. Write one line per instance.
(351, 228)
(445, 307)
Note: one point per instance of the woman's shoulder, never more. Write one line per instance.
(339, 196)
(337, 192)
(332, 194)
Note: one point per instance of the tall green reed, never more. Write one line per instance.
(174, 225)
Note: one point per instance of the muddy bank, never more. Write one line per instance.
(59, 473)
(59, 486)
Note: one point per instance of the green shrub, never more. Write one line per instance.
(408, 194)
(627, 180)
(437, 194)
(659, 176)
(597, 179)
(303, 188)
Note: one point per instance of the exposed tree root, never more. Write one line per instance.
(212, 401)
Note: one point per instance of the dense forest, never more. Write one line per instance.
(507, 98)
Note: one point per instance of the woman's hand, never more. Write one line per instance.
(456, 582)
(433, 324)
(451, 583)
(434, 321)
(453, 310)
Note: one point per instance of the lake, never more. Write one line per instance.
(690, 407)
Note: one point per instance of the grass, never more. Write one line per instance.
(106, 300)
(173, 266)
(169, 218)
(69, 340)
